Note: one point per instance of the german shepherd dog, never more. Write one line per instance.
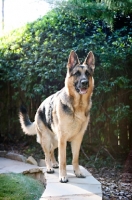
(64, 116)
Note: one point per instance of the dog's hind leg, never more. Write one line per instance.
(75, 144)
(45, 141)
(53, 160)
(49, 152)
(48, 163)
(54, 146)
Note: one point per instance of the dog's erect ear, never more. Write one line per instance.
(73, 60)
(90, 61)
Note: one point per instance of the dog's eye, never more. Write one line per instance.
(78, 73)
(87, 73)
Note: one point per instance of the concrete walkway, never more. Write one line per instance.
(8, 165)
(76, 189)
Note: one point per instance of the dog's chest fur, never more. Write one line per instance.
(63, 116)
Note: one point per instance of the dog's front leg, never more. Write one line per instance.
(62, 161)
(75, 144)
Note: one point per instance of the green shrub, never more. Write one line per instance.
(33, 62)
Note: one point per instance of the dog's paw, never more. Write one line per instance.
(50, 171)
(63, 179)
(79, 175)
(55, 165)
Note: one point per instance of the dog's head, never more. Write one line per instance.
(80, 75)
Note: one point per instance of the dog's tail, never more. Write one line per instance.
(27, 126)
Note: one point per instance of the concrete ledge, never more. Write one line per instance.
(8, 165)
(76, 189)
(74, 197)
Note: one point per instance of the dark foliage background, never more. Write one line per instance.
(33, 66)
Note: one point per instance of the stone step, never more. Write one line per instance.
(76, 189)
(8, 165)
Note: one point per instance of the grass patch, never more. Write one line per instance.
(17, 186)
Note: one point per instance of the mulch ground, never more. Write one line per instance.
(116, 184)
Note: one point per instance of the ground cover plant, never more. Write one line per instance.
(17, 186)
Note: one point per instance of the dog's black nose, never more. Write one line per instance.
(84, 83)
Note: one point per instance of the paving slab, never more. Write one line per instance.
(76, 189)
(8, 165)
(74, 197)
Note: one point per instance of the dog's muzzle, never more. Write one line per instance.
(84, 83)
(82, 87)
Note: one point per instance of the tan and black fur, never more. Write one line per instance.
(64, 116)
